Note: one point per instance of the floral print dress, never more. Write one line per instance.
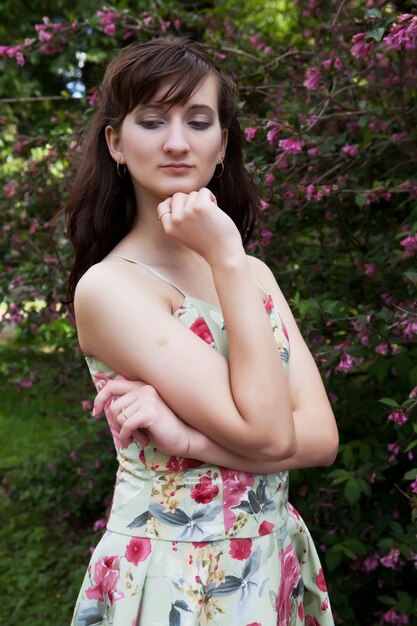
(193, 544)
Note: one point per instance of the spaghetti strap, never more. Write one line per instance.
(151, 270)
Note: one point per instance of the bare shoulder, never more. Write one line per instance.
(109, 281)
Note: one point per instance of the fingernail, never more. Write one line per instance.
(93, 412)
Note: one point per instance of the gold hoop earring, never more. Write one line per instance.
(118, 169)
(221, 173)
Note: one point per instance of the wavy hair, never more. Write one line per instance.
(101, 208)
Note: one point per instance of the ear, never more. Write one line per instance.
(114, 144)
(223, 145)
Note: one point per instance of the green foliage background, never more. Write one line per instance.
(337, 226)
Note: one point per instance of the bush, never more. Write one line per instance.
(328, 96)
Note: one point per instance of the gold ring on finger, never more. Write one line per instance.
(162, 214)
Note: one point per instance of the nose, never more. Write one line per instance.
(176, 139)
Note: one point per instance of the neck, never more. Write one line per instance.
(148, 242)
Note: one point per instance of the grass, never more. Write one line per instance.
(35, 419)
(47, 509)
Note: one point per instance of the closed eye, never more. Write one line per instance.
(150, 123)
(199, 125)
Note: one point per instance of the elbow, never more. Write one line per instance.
(280, 449)
(330, 450)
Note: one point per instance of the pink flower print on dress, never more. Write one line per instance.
(269, 305)
(320, 582)
(138, 549)
(240, 549)
(266, 528)
(200, 328)
(235, 487)
(204, 491)
(106, 575)
(290, 575)
(311, 621)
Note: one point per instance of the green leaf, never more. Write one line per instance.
(389, 402)
(360, 200)
(356, 546)
(411, 474)
(387, 600)
(352, 491)
(376, 33)
(373, 13)
(333, 559)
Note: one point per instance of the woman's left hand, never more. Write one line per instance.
(137, 411)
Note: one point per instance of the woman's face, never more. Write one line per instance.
(167, 150)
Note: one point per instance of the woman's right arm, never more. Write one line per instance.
(244, 402)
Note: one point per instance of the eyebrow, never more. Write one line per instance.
(161, 107)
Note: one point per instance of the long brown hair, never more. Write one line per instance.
(101, 208)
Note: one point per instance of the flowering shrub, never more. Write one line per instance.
(329, 108)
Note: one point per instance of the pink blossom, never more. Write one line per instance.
(402, 36)
(392, 617)
(269, 179)
(391, 559)
(44, 36)
(263, 205)
(98, 524)
(369, 269)
(398, 417)
(20, 58)
(266, 236)
(410, 245)
(361, 46)
(394, 448)
(347, 362)
(350, 150)
(313, 152)
(291, 145)
(250, 133)
(9, 189)
(312, 78)
(110, 29)
(381, 348)
(87, 405)
(413, 393)
(370, 563)
(106, 17)
(413, 485)
(273, 133)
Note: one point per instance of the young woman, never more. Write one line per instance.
(185, 339)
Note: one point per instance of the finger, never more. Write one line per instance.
(178, 201)
(205, 195)
(141, 437)
(128, 402)
(130, 426)
(190, 200)
(112, 388)
(164, 209)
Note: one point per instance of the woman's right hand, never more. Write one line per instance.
(137, 411)
(196, 221)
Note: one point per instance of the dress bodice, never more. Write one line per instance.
(181, 499)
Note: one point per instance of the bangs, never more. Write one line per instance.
(178, 70)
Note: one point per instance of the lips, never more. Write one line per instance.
(179, 166)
